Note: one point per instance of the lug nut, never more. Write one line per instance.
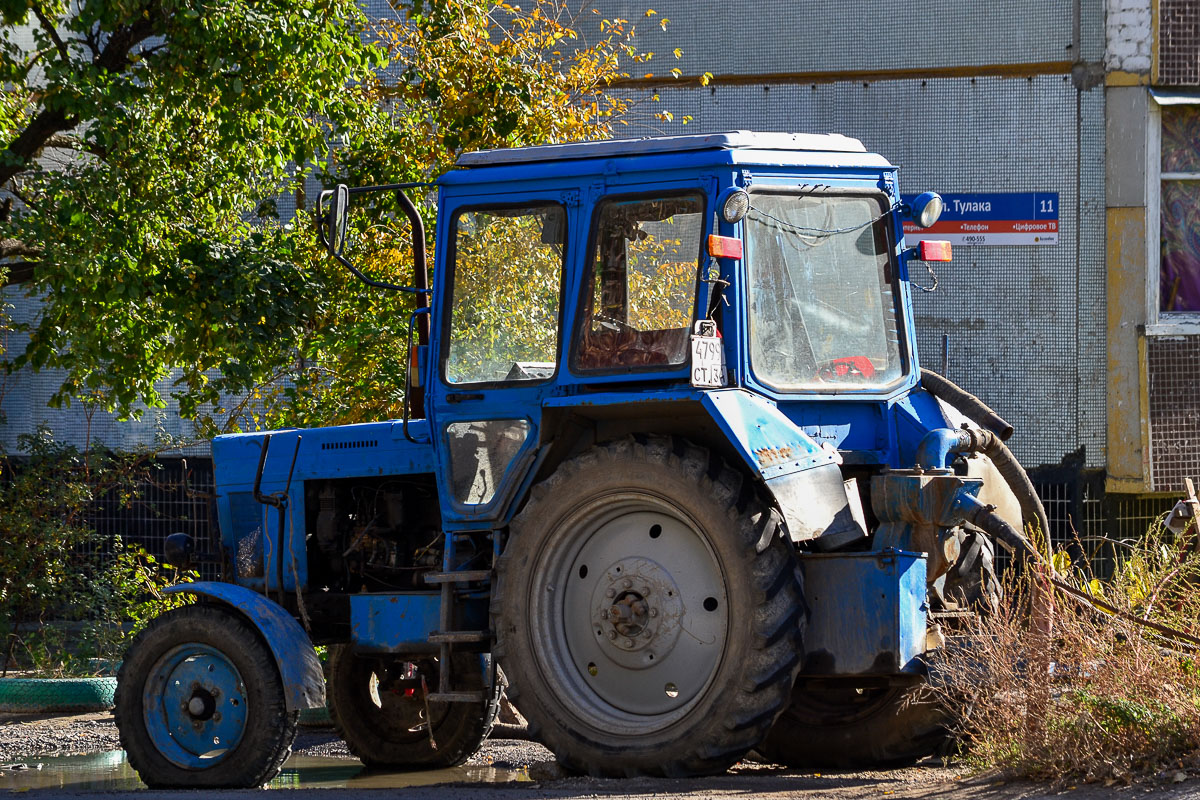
(611, 593)
(612, 635)
(216, 716)
(627, 583)
(629, 642)
(654, 612)
(604, 614)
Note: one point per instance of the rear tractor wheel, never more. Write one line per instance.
(648, 613)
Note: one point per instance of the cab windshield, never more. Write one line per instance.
(822, 301)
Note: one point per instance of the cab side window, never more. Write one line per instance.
(640, 293)
(507, 277)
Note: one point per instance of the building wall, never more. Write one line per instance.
(999, 97)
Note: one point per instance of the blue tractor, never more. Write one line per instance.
(669, 471)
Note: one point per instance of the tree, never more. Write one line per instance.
(171, 127)
(137, 138)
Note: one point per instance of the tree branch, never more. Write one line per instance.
(49, 121)
(67, 142)
(51, 31)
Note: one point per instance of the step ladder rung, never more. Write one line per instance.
(459, 637)
(460, 576)
(456, 697)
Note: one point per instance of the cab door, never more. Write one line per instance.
(499, 303)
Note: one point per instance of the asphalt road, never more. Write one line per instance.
(503, 769)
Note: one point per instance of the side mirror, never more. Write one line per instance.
(336, 218)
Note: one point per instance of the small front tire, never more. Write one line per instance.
(378, 707)
(200, 702)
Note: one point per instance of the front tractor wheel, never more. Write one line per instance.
(648, 613)
(378, 706)
(200, 702)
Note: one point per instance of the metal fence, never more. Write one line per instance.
(171, 496)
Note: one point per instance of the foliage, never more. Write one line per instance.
(1071, 692)
(166, 129)
(475, 75)
(139, 137)
(57, 566)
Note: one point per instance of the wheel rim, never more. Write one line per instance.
(630, 612)
(195, 708)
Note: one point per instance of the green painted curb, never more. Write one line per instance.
(34, 695)
(315, 717)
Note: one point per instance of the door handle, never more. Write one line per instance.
(464, 397)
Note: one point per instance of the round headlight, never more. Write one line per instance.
(927, 208)
(737, 204)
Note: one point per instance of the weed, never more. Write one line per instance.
(1054, 688)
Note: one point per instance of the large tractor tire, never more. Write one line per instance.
(648, 613)
(200, 702)
(865, 727)
(378, 706)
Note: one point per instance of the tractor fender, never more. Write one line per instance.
(299, 667)
(803, 477)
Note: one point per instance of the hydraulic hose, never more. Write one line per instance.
(971, 406)
(983, 516)
(938, 444)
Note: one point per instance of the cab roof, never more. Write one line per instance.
(610, 148)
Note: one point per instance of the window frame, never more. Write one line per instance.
(1159, 322)
(586, 288)
(898, 305)
(447, 309)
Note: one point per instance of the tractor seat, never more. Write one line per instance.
(632, 348)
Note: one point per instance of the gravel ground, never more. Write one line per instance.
(23, 736)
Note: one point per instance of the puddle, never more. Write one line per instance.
(111, 771)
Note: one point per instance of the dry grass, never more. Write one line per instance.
(1055, 689)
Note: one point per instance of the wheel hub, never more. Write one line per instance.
(203, 704)
(635, 610)
(641, 614)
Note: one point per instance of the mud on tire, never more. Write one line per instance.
(648, 613)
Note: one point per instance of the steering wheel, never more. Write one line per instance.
(848, 369)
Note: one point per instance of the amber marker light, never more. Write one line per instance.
(932, 250)
(724, 246)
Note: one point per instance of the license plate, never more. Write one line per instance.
(708, 356)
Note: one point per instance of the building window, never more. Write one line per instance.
(1179, 210)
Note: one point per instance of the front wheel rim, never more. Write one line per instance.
(630, 614)
(194, 704)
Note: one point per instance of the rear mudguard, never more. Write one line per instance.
(303, 679)
(804, 477)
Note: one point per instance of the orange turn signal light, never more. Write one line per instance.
(724, 246)
(930, 250)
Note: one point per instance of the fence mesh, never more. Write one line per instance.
(172, 496)
(1178, 42)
